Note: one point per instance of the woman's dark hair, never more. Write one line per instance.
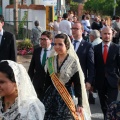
(83, 17)
(6, 69)
(65, 37)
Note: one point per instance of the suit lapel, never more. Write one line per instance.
(40, 56)
(110, 51)
(81, 47)
(100, 52)
(2, 40)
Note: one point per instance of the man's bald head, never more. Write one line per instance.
(106, 34)
(106, 29)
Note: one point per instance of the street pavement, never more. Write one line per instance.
(95, 108)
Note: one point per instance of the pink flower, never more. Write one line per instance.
(23, 52)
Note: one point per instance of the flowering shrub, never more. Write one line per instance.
(24, 47)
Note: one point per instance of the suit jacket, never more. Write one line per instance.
(8, 49)
(109, 71)
(36, 70)
(36, 33)
(86, 56)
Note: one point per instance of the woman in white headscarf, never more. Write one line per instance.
(18, 97)
(65, 98)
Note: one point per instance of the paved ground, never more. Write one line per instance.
(95, 109)
(24, 60)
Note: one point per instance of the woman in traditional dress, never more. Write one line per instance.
(18, 97)
(64, 80)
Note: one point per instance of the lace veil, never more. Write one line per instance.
(72, 53)
(26, 93)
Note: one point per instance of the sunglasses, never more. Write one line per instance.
(43, 39)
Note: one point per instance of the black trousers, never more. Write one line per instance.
(107, 95)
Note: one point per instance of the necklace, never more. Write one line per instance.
(7, 104)
(60, 62)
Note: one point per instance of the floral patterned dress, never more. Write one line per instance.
(55, 107)
(113, 112)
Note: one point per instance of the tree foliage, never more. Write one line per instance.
(103, 7)
(73, 5)
(11, 2)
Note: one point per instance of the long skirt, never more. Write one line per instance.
(55, 107)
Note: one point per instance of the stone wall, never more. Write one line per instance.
(25, 33)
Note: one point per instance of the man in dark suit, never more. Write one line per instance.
(107, 67)
(36, 69)
(85, 54)
(8, 49)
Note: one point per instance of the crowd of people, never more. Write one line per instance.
(80, 58)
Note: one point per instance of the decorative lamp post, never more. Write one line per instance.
(114, 10)
(16, 18)
(58, 7)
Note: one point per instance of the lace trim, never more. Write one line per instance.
(12, 111)
(68, 69)
(27, 98)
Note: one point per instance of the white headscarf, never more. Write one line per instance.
(85, 103)
(26, 93)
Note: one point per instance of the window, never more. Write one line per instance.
(32, 1)
(11, 2)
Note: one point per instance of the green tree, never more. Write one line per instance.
(21, 25)
(103, 7)
(11, 2)
(73, 5)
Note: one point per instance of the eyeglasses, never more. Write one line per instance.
(75, 28)
(43, 39)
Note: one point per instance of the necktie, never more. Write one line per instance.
(44, 57)
(105, 53)
(75, 41)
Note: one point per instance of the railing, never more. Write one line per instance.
(23, 29)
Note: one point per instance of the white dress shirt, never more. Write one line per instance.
(1, 34)
(48, 52)
(108, 45)
(65, 27)
(77, 44)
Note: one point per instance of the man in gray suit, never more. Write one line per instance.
(36, 33)
(94, 37)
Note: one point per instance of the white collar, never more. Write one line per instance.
(108, 44)
(49, 48)
(80, 39)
